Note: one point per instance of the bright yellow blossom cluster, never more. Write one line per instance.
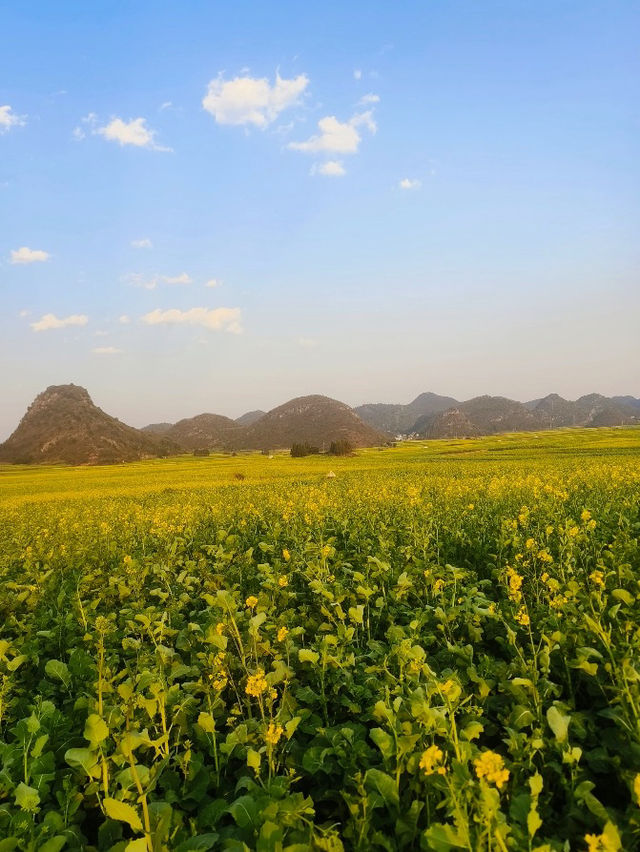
(256, 684)
(490, 765)
(432, 761)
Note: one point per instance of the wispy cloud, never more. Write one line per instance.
(134, 132)
(139, 279)
(107, 350)
(9, 119)
(213, 282)
(410, 183)
(332, 168)
(183, 278)
(142, 244)
(49, 321)
(368, 100)
(216, 319)
(125, 319)
(337, 137)
(28, 255)
(357, 74)
(252, 100)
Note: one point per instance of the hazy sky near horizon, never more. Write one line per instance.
(220, 206)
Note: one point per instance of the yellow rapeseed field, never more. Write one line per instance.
(437, 648)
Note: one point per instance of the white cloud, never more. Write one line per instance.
(165, 105)
(357, 74)
(49, 321)
(134, 132)
(107, 350)
(183, 278)
(410, 183)
(332, 168)
(213, 282)
(366, 100)
(101, 333)
(125, 319)
(9, 119)
(340, 137)
(146, 243)
(252, 100)
(217, 319)
(24, 313)
(27, 255)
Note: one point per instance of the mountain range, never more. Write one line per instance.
(63, 425)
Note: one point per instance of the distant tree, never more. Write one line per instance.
(300, 450)
(341, 448)
(201, 452)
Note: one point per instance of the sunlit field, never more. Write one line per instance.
(436, 648)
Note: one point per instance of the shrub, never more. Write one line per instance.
(341, 448)
(300, 450)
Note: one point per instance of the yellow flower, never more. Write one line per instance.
(273, 734)
(286, 555)
(490, 765)
(636, 787)
(597, 578)
(219, 684)
(438, 585)
(591, 525)
(430, 760)
(593, 842)
(283, 633)
(530, 544)
(585, 516)
(471, 507)
(251, 601)
(447, 687)
(256, 684)
(522, 617)
(283, 581)
(573, 532)
(219, 628)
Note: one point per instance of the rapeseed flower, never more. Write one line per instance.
(490, 765)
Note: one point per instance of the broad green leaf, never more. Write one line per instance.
(207, 722)
(54, 844)
(201, 842)
(57, 670)
(39, 744)
(307, 656)
(383, 784)
(253, 759)
(139, 845)
(26, 797)
(442, 838)
(558, 722)
(95, 730)
(83, 758)
(244, 812)
(122, 812)
(384, 741)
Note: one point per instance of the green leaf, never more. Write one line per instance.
(139, 845)
(253, 759)
(207, 722)
(122, 812)
(472, 730)
(624, 596)
(95, 730)
(533, 821)
(82, 758)
(39, 744)
(307, 656)
(535, 784)
(244, 812)
(201, 842)
(384, 741)
(57, 670)
(558, 722)
(54, 844)
(8, 844)
(382, 784)
(442, 837)
(27, 797)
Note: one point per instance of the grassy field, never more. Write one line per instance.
(437, 648)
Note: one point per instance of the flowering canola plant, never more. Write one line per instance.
(437, 648)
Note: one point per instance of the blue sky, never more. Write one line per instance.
(217, 207)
